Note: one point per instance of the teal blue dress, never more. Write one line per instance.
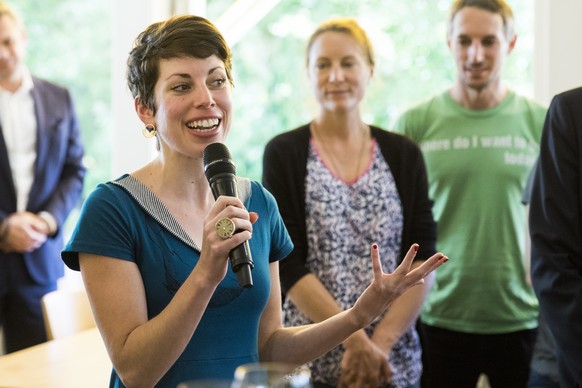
(124, 220)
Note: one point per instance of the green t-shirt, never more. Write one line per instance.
(478, 163)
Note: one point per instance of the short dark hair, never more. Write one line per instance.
(499, 7)
(178, 36)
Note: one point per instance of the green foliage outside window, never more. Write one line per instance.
(69, 43)
(70, 40)
(272, 93)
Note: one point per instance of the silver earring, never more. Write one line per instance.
(149, 131)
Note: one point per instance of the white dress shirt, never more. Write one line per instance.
(18, 122)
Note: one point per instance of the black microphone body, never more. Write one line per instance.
(221, 174)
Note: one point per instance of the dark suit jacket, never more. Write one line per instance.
(58, 174)
(556, 231)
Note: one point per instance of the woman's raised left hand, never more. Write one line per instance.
(386, 288)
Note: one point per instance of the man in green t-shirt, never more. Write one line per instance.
(480, 140)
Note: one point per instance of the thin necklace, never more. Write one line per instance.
(334, 164)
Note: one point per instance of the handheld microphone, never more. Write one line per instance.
(221, 174)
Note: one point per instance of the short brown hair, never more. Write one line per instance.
(178, 36)
(347, 26)
(499, 7)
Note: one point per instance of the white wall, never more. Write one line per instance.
(130, 149)
(558, 48)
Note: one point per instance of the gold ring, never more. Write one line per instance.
(225, 228)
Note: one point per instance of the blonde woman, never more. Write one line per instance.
(340, 184)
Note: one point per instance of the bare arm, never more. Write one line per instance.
(363, 361)
(305, 343)
(402, 314)
(313, 299)
(143, 350)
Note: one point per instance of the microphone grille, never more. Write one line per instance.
(217, 160)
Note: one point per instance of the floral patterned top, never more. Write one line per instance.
(343, 220)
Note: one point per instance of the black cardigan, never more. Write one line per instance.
(284, 171)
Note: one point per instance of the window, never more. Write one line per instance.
(69, 44)
(272, 93)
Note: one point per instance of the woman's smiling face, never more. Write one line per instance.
(339, 70)
(194, 104)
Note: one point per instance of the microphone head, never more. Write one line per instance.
(217, 160)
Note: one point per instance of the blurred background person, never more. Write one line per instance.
(41, 180)
(556, 231)
(480, 140)
(342, 184)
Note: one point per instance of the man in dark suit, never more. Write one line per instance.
(41, 180)
(556, 231)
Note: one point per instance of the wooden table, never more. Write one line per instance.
(71, 362)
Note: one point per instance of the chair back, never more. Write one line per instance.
(66, 312)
